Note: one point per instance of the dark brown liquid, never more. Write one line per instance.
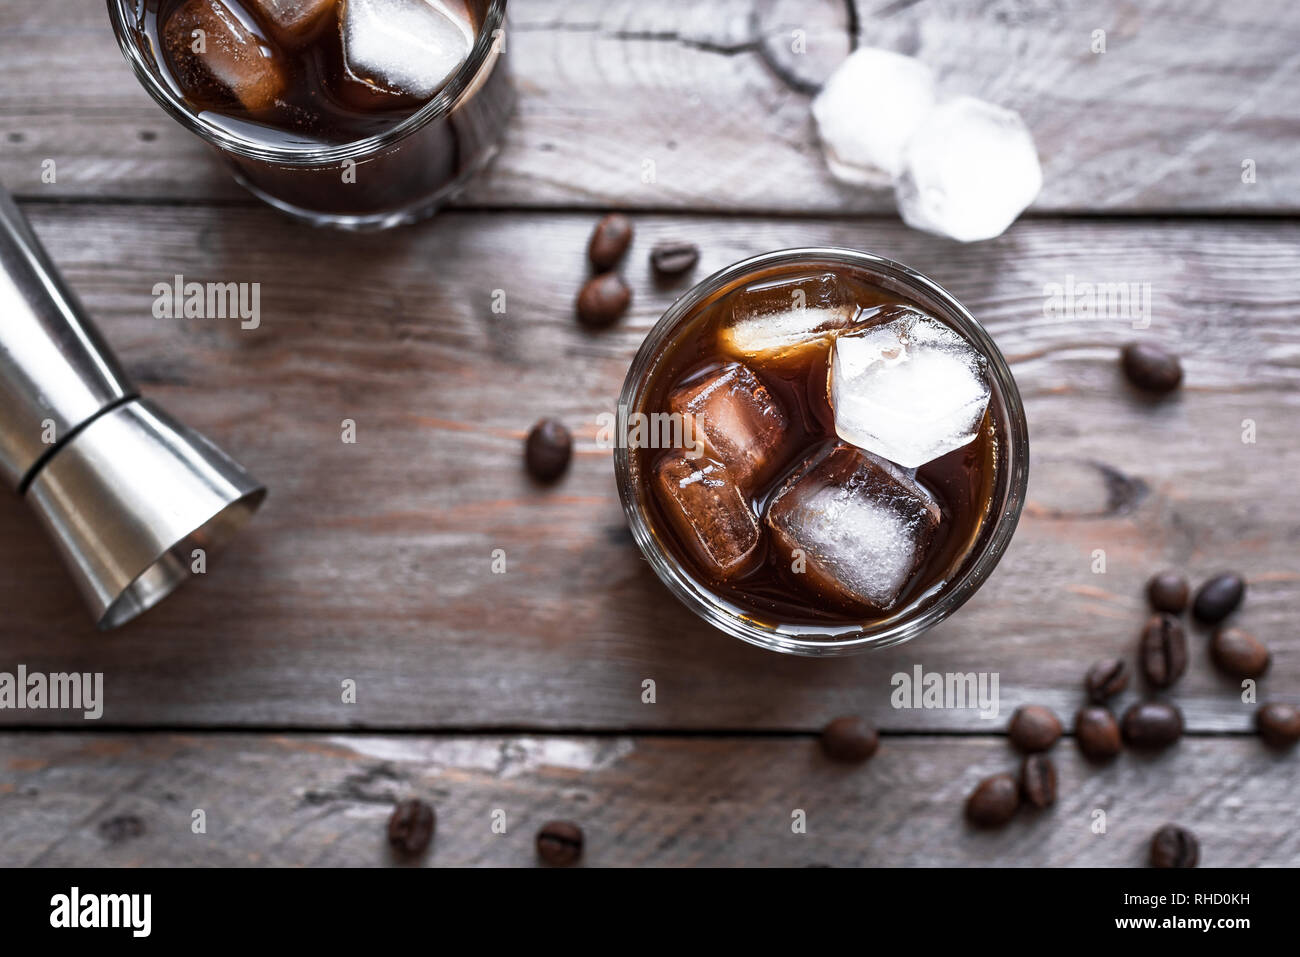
(961, 481)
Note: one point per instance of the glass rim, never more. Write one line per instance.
(975, 568)
(446, 99)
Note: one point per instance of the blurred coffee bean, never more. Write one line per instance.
(559, 843)
(547, 450)
(673, 258)
(1152, 724)
(1218, 598)
(1174, 846)
(1034, 728)
(410, 828)
(1097, 733)
(1278, 724)
(603, 300)
(1239, 653)
(1168, 592)
(1105, 679)
(1038, 780)
(1162, 650)
(1151, 368)
(849, 738)
(609, 241)
(994, 801)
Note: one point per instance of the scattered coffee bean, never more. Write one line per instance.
(1152, 724)
(1218, 598)
(673, 259)
(1239, 653)
(1278, 724)
(1162, 650)
(121, 828)
(1034, 728)
(1174, 846)
(410, 828)
(1105, 679)
(547, 450)
(1097, 733)
(1151, 368)
(994, 801)
(849, 738)
(609, 241)
(559, 843)
(1168, 592)
(1038, 780)
(603, 300)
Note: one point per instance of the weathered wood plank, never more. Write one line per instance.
(716, 99)
(124, 800)
(373, 561)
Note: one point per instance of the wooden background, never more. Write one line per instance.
(523, 691)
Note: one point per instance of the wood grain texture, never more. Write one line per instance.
(714, 96)
(128, 800)
(372, 561)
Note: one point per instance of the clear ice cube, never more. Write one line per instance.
(968, 171)
(853, 525)
(867, 110)
(734, 417)
(218, 57)
(292, 21)
(774, 319)
(907, 387)
(709, 512)
(404, 47)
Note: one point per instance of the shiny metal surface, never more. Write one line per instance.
(55, 370)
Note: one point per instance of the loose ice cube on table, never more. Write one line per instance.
(709, 512)
(409, 47)
(855, 525)
(866, 111)
(734, 417)
(968, 171)
(777, 317)
(292, 21)
(216, 57)
(907, 388)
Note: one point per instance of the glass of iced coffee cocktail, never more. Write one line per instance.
(352, 113)
(821, 451)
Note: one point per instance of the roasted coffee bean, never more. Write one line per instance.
(1038, 780)
(410, 828)
(1105, 679)
(1218, 598)
(547, 450)
(1034, 728)
(603, 300)
(994, 801)
(1097, 733)
(1152, 724)
(673, 259)
(1151, 368)
(1168, 592)
(1163, 650)
(849, 738)
(1174, 846)
(609, 241)
(1239, 653)
(1278, 724)
(559, 843)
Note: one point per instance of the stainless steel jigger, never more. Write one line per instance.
(127, 493)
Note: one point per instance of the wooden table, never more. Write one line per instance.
(522, 692)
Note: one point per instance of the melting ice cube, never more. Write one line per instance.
(736, 419)
(409, 47)
(292, 21)
(968, 171)
(709, 512)
(216, 57)
(867, 110)
(855, 525)
(778, 317)
(907, 388)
